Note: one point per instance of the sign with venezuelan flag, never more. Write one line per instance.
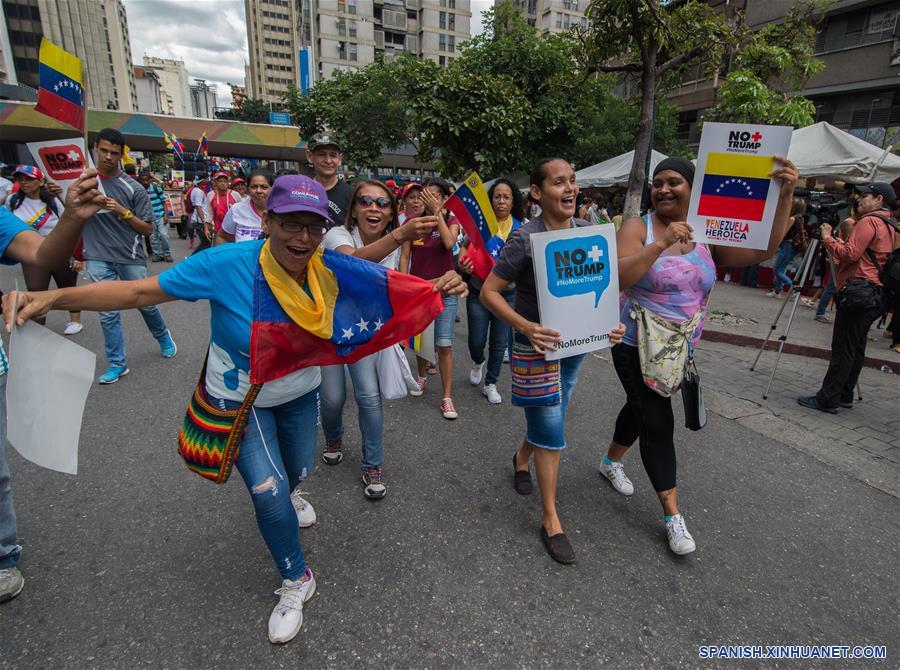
(61, 85)
(733, 198)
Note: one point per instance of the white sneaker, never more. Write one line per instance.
(73, 328)
(475, 373)
(490, 392)
(680, 540)
(506, 355)
(287, 617)
(615, 473)
(11, 583)
(306, 514)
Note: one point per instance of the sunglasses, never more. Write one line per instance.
(367, 201)
(312, 229)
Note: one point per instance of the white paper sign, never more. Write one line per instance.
(61, 161)
(733, 199)
(577, 280)
(49, 380)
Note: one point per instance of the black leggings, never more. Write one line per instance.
(647, 415)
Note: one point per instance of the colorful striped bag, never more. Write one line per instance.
(535, 381)
(209, 438)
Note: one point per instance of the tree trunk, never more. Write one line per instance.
(638, 177)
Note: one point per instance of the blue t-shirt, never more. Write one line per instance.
(10, 226)
(224, 276)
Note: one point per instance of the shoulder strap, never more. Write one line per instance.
(890, 222)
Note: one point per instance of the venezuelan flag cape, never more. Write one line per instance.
(735, 186)
(470, 204)
(353, 309)
(60, 85)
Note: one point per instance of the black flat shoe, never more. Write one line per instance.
(813, 403)
(559, 547)
(521, 479)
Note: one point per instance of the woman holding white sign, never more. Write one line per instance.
(666, 280)
(542, 388)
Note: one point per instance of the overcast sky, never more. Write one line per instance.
(210, 36)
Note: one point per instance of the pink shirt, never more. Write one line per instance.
(869, 232)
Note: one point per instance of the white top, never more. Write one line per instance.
(339, 236)
(34, 212)
(198, 200)
(243, 221)
(5, 189)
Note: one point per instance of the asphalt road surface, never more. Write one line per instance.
(136, 562)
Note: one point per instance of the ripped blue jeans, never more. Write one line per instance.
(277, 453)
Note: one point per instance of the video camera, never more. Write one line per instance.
(824, 205)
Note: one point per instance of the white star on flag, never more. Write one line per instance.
(348, 333)
(362, 325)
(378, 325)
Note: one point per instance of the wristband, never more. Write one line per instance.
(394, 237)
(127, 215)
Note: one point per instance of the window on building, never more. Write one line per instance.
(571, 5)
(442, 60)
(451, 22)
(451, 43)
(351, 6)
(353, 28)
(442, 20)
(442, 42)
(858, 28)
(354, 53)
(341, 26)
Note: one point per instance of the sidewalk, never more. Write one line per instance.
(743, 316)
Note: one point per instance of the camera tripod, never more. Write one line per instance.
(807, 263)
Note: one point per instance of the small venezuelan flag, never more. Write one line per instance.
(735, 186)
(202, 148)
(61, 86)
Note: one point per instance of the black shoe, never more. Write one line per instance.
(813, 403)
(559, 547)
(156, 259)
(846, 404)
(168, 259)
(521, 479)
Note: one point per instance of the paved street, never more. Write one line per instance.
(137, 562)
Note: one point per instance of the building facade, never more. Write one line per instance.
(173, 81)
(150, 95)
(296, 42)
(203, 100)
(554, 16)
(94, 30)
(859, 88)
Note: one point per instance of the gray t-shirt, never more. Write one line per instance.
(109, 238)
(515, 265)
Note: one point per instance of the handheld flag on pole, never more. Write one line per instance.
(354, 308)
(471, 205)
(173, 143)
(61, 86)
(202, 149)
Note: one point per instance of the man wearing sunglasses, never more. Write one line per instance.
(324, 154)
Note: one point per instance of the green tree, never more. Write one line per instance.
(251, 110)
(654, 42)
(772, 63)
(367, 110)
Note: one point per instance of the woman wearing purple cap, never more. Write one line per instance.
(277, 451)
(664, 274)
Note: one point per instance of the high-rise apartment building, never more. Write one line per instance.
(554, 16)
(7, 66)
(203, 99)
(94, 30)
(296, 42)
(173, 80)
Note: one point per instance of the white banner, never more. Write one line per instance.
(49, 380)
(733, 199)
(577, 281)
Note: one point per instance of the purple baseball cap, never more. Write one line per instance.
(296, 193)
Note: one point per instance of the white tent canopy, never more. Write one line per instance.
(612, 172)
(821, 150)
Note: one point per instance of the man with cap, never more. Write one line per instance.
(324, 154)
(220, 199)
(871, 240)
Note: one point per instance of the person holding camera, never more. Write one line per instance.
(861, 296)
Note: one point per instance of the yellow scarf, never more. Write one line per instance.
(316, 314)
(504, 227)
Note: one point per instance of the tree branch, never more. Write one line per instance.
(680, 59)
(627, 67)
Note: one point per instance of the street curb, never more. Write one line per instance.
(789, 348)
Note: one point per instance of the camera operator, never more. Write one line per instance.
(860, 298)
